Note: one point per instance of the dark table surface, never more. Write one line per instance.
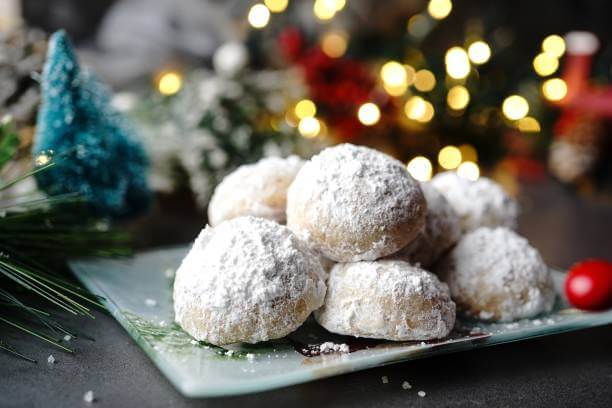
(566, 370)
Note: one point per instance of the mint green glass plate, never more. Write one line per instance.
(138, 293)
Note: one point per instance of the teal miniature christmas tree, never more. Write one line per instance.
(93, 145)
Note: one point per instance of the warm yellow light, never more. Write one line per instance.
(424, 80)
(468, 153)
(479, 52)
(309, 127)
(258, 16)
(396, 90)
(554, 45)
(415, 108)
(324, 9)
(340, 4)
(334, 44)
(276, 6)
(368, 114)
(515, 107)
(439, 9)
(554, 89)
(468, 170)
(458, 97)
(457, 63)
(428, 114)
(305, 108)
(449, 157)
(529, 125)
(393, 73)
(545, 64)
(42, 159)
(420, 168)
(169, 83)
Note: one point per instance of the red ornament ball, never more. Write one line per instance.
(588, 285)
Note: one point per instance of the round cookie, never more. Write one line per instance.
(480, 203)
(246, 280)
(494, 274)
(258, 189)
(442, 230)
(386, 299)
(353, 203)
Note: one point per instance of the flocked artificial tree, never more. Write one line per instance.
(95, 148)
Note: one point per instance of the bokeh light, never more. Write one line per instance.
(420, 168)
(169, 83)
(334, 44)
(545, 64)
(528, 125)
(554, 45)
(393, 73)
(424, 80)
(276, 6)
(458, 97)
(305, 108)
(554, 89)
(368, 114)
(439, 9)
(468, 152)
(515, 107)
(324, 9)
(258, 16)
(449, 157)
(415, 108)
(479, 52)
(468, 170)
(309, 127)
(457, 63)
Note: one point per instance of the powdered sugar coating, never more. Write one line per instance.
(246, 280)
(442, 230)
(480, 203)
(494, 274)
(353, 203)
(386, 299)
(258, 189)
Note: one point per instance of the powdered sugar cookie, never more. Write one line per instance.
(494, 274)
(386, 299)
(353, 203)
(442, 230)
(246, 280)
(258, 189)
(480, 203)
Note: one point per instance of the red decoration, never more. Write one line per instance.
(337, 85)
(588, 285)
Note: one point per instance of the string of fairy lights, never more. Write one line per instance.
(397, 79)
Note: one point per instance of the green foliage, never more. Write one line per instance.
(34, 234)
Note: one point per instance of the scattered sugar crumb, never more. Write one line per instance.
(229, 353)
(193, 342)
(250, 356)
(151, 302)
(384, 379)
(89, 397)
(512, 326)
(51, 359)
(537, 322)
(406, 385)
(421, 394)
(475, 330)
(423, 343)
(67, 337)
(330, 347)
(550, 321)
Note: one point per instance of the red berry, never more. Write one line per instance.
(588, 285)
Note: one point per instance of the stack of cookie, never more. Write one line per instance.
(371, 251)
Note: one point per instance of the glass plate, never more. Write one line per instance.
(138, 293)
